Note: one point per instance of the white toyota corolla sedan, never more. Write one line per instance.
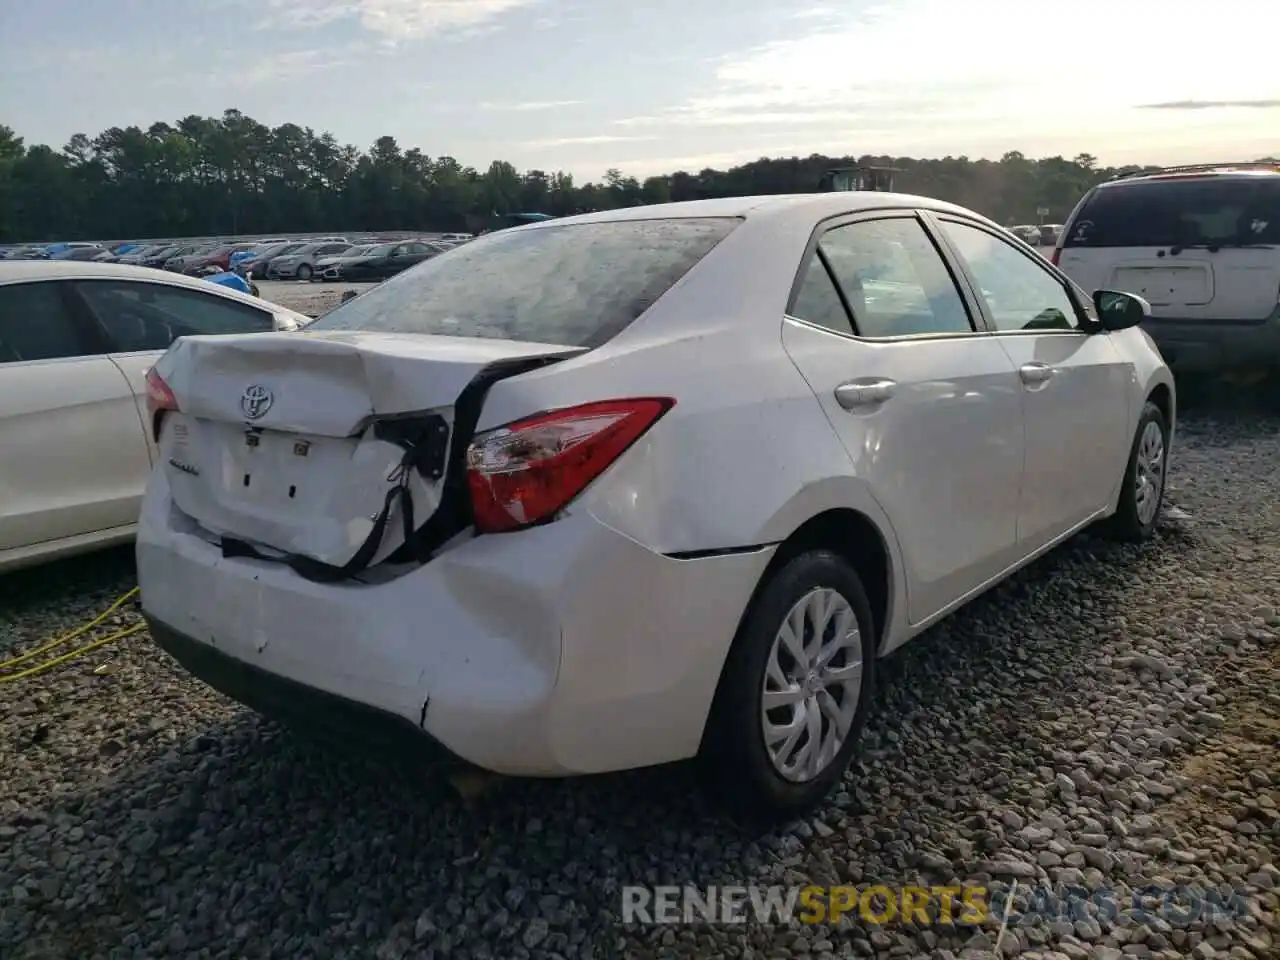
(642, 485)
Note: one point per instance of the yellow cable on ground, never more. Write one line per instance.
(41, 667)
(79, 631)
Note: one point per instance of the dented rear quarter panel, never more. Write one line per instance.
(746, 455)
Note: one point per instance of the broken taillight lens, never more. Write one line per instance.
(160, 400)
(526, 472)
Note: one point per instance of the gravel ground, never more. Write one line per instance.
(306, 297)
(1110, 718)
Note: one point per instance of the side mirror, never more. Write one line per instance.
(1120, 311)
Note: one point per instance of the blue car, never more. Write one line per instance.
(241, 257)
(234, 281)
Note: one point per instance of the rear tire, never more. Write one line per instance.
(1142, 492)
(767, 778)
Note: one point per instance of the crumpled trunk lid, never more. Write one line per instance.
(292, 442)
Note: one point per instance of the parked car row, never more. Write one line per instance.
(1043, 235)
(376, 261)
(249, 258)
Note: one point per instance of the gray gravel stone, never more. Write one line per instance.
(1106, 721)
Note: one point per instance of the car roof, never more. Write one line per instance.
(18, 271)
(1225, 172)
(817, 206)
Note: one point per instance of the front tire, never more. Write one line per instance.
(795, 691)
(1142, 493)
(304, 272)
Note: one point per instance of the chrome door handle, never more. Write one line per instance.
(1035, 372)
(864, 393)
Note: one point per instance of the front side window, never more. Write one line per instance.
(35, 324)
(148, 316)
(894, 279)
(1020, 294)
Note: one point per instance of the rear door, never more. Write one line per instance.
(74, 454)
(926, 402)
(1076, 386)
(139, 321)
(1197, 247)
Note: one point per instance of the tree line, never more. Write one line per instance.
(233, 175)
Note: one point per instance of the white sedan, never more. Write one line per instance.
(76, 340)
(643, 485)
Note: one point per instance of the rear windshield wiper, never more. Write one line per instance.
(1177, 248)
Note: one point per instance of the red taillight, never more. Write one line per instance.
(529, 470)
(160, 400)
(1055, 256)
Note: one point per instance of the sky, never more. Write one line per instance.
(654, 86)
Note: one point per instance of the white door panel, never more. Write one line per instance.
(1076, 387)
(73, 459)
(942, 454)
(1076, 404)
(929, 409)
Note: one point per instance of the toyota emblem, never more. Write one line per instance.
(255, 401)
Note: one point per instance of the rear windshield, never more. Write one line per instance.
(1165, 213)
(572, 284)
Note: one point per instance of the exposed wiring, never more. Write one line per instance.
(62, 641)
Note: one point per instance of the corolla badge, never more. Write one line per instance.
(256, 400)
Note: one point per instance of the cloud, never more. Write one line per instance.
(235, 69)
(580, 141)
(896, 67)
(290, 65)
(93, 62)
(1212, 105)
(393, 19)
(531, 105)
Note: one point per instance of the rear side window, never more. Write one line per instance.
(147, 316)
(1202, 211)
(572, 284)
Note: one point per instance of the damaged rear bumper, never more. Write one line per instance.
(307, 708)
(559, 650)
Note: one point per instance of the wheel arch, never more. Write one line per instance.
(861, 537)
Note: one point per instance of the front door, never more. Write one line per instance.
(928, 406)
(1076, 386)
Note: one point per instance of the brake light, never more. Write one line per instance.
(160, 400)
(1055, 256)
(526, 472)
